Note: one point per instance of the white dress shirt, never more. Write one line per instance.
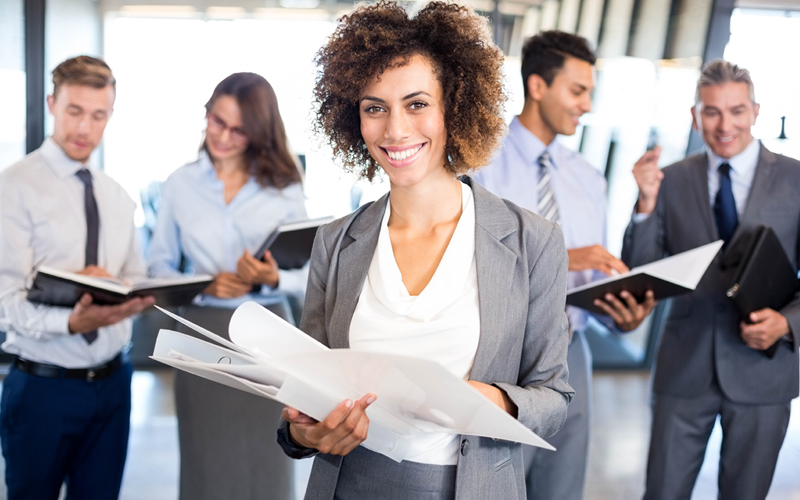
(440, 324)
(43, 222)
(743, 170)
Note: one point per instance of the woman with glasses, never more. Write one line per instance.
(439, 268)
(213, 214)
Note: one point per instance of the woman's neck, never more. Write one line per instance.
(233, 175)
(428, 203)
(230, 167)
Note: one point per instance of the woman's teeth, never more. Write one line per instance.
(402, 155)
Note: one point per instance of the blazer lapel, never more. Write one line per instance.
(699, 187)
(759, 191)
(495, 266)
(352, 269)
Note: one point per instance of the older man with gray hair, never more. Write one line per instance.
(711, 361)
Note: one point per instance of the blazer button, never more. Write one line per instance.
(464, 447)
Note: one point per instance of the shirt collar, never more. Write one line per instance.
(742, 164)
(57, 159)
(528, 145)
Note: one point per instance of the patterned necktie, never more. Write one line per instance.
(547, 206)
(92, 229)
(725, 205)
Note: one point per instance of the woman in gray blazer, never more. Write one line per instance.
(439, 268)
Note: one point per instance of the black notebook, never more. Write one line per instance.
(61, 288)
(667, 277)
(290, 244)
(765, 278)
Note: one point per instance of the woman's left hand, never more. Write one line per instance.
(258, 272)
(498, 397)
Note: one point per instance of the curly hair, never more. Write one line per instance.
(375, 38)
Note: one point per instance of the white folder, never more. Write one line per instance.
(270, 358)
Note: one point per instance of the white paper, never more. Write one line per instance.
(260, 331)
(206, 333)
(277, 361)
(685, 269)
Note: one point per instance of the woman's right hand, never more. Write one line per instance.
(228, 286)
(345, 428)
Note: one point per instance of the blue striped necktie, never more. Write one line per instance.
(725, 205)
(547, 206)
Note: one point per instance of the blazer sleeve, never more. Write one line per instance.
(543, 392)
(313, 324)
(792, 310)
(645, 240)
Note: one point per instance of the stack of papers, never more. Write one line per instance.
(270, 358)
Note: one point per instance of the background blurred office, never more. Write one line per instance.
(168, 55)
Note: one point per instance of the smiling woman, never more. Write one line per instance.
(439, 268)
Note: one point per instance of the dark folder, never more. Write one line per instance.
(61, 288)
(291, 244)
(765, 278)
(674, 275)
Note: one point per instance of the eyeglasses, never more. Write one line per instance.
(217, 125)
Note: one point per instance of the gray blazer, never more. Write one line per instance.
(701, 337)
(522, 270)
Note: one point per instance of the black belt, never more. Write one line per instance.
(91, 374)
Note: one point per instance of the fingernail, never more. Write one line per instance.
(348, 403)
(371, 399)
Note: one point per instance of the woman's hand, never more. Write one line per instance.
(257, 272)
(498, 397)
(228, 286)
(345, 428)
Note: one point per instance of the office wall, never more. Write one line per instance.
(72, 28)
(12, 82)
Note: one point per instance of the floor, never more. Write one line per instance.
(616, 463)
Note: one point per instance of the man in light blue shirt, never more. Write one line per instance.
(536, 172)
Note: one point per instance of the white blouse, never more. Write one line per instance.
(441, 324)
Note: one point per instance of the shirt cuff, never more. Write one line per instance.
(57, 320)
(289, 448)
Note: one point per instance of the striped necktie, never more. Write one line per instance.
(547, 206)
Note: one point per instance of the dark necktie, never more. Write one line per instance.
(92, 229)
(725, 205)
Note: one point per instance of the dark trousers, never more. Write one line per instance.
(368, 475)
(227, 437)
(65, 430)
(752, 436)
(561, 474)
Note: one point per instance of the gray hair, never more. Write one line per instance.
(718, 72)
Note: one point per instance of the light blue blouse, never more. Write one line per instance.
(194, 220)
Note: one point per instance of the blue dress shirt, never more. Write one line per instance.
(194, 221)
(579, 190)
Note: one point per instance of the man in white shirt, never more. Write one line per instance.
(65, 409)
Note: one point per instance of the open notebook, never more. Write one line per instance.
(667, 277)
(62, 288)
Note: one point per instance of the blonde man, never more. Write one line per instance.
(65, 409)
